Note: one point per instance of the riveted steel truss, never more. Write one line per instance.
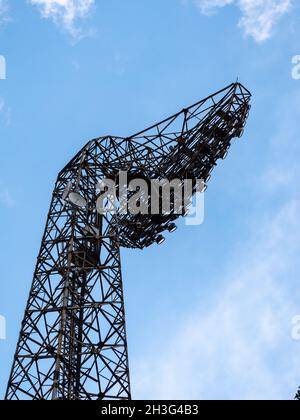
(72, 344)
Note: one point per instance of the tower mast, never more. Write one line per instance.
(73, 344)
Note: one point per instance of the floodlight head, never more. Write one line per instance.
(160, 239)
(184, 147)
(172, 228)
(186, 212)
(77, 200)
(67, 190)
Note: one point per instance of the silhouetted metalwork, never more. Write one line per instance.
(72, 344)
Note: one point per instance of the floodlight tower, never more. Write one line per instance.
(72, 344)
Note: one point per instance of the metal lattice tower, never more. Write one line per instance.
(72, 344)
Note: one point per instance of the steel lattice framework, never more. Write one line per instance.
(72, 344)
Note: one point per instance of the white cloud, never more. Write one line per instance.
(2, 104)
(3, 11)
(6, 199)
(5, 113)
(242, 347)
(65, 13)
(2, 6)
(239, 345)
(258, 16)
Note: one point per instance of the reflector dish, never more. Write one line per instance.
(77, 200)
(160, 239)
(67, 191)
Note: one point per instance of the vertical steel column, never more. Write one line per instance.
(73, 343)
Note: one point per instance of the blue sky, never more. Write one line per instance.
(209, 313)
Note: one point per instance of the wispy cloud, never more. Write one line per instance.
(2, 104)
(242, 347)
(259, 17)
(239, 344)
(3, 11)
(6, 199)
(66, 13)
(3, 6)
(5, 112)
